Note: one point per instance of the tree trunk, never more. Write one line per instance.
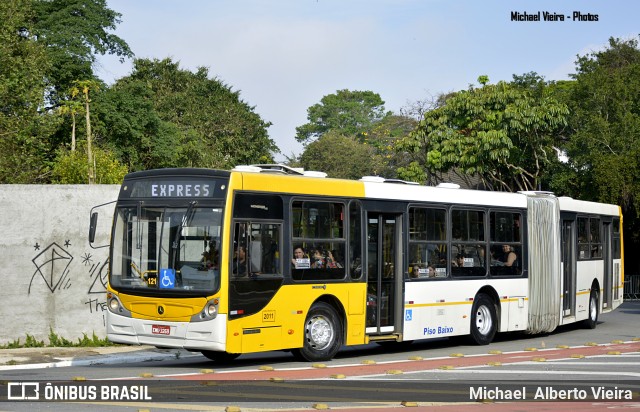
(92, 179)
(73, 131)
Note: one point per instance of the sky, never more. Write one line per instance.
(283, 56)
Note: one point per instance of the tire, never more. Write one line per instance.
(220, 357)
(322, 334)
(484, 320)
(594, 304)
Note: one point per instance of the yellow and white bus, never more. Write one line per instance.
(266, 257)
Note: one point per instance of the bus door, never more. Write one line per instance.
(608, 265)
(384, 275)
(568, 266)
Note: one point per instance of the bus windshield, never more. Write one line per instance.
(167, 249)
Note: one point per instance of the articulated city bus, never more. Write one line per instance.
(266, 257)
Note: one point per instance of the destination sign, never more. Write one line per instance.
(181, 190)
(174, 188)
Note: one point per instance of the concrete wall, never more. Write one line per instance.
(51, 278)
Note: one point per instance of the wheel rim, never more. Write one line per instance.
(319, 332)
(593, 309)
(483, 320)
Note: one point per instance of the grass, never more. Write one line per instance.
(58, 341)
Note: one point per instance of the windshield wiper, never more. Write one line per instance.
(186, 218)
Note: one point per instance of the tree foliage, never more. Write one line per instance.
(73, 32)
(71, 167)
(382, 137)
(164, 116)
(340, 157)
(24, 126)
(502, 133)
(604, 144)
(345, 112)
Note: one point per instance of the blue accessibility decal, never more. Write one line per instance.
(167, 278)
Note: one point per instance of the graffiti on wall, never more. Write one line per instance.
(53, 267)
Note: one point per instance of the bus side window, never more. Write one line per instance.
(256, 249)
(427, 243)
(505, 247)
(318, 227)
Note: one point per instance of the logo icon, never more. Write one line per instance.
(23, 391)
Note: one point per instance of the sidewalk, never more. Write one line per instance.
(52, 357)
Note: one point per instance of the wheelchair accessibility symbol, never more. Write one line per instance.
(167, 278)
(408, 315)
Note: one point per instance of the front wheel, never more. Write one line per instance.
(592, 320)
(322, 334)
(484, 320)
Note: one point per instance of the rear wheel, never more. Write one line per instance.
(592, 320)
(220, 357)
(322, 334)
(484, 320)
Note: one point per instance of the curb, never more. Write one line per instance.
(140, 355)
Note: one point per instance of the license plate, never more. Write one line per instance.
(161, 330)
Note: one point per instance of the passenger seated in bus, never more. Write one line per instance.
(458, 261)
(420, 271)
(332, 262)
(210, 257)
(240, 262)
(509, 257)
(318, 260)
(300, 259)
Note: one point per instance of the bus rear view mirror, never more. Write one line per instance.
(92, 227)
(94, 230)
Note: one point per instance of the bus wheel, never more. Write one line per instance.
(322, 334)
(592, 320)
(484, 320)
(220, 357)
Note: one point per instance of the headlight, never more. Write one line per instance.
(212, 310)
(114, 305)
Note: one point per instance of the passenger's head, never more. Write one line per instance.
(298, 253)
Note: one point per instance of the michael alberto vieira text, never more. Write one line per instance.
(548, 393)
(552, 16)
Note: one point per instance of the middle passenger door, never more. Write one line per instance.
(384, 273)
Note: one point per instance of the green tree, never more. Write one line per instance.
(85, 87)
(71, 167)
(501, 133)
(603, 146)
(71, 108)
(24, 126)
(383, 137)
(346, 112)
(131, 127)
(162, 116)
(73, 32)
(340, 157)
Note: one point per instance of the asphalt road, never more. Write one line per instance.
(571, 368)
